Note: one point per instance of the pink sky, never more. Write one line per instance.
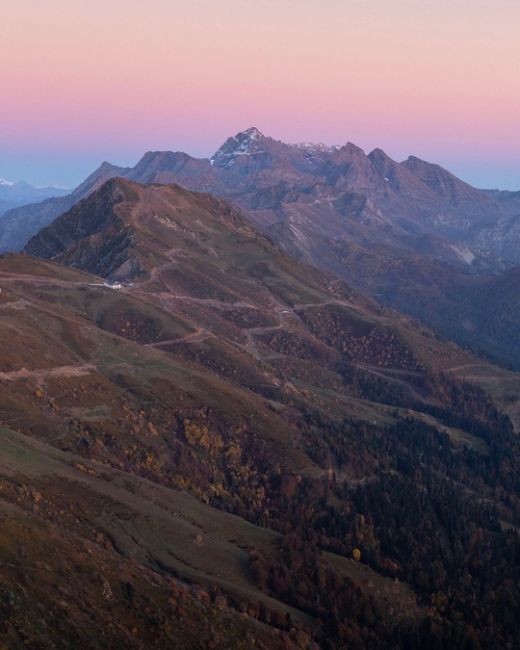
(82, 82)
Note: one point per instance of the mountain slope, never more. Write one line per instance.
(308, 421)
(480, 312)
(179, 242)
(272, 392)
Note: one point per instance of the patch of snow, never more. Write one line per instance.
(52, 187)
(464, 253)
(6, 183)
(316, 147)
(253, 133)
(247, 143)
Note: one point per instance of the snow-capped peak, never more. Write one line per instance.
(6, 183)
(316, 147)
(253, 133)
(248, 142)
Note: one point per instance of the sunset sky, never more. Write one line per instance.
(109, 79)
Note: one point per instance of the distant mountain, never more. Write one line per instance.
(16, 193)
(309, 193)
(19, 224)
(366, 218)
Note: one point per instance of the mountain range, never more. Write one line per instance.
(413, 206)
(16, 193)
(409, 234)
(209, 443)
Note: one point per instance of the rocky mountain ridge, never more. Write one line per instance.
(410, 234)
(273, 180)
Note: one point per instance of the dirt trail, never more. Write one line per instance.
(194, 337)
(15, 305)
(212, 302)
(252, 347)
(40, 374)
(309, 305)
(26, 278)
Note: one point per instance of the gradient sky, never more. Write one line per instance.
(84, 81)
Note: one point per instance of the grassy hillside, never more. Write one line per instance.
(236, 420)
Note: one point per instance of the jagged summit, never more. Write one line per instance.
(251, 142)
(380, 154)
(253, 133)
(415, 160)
(353, 149)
